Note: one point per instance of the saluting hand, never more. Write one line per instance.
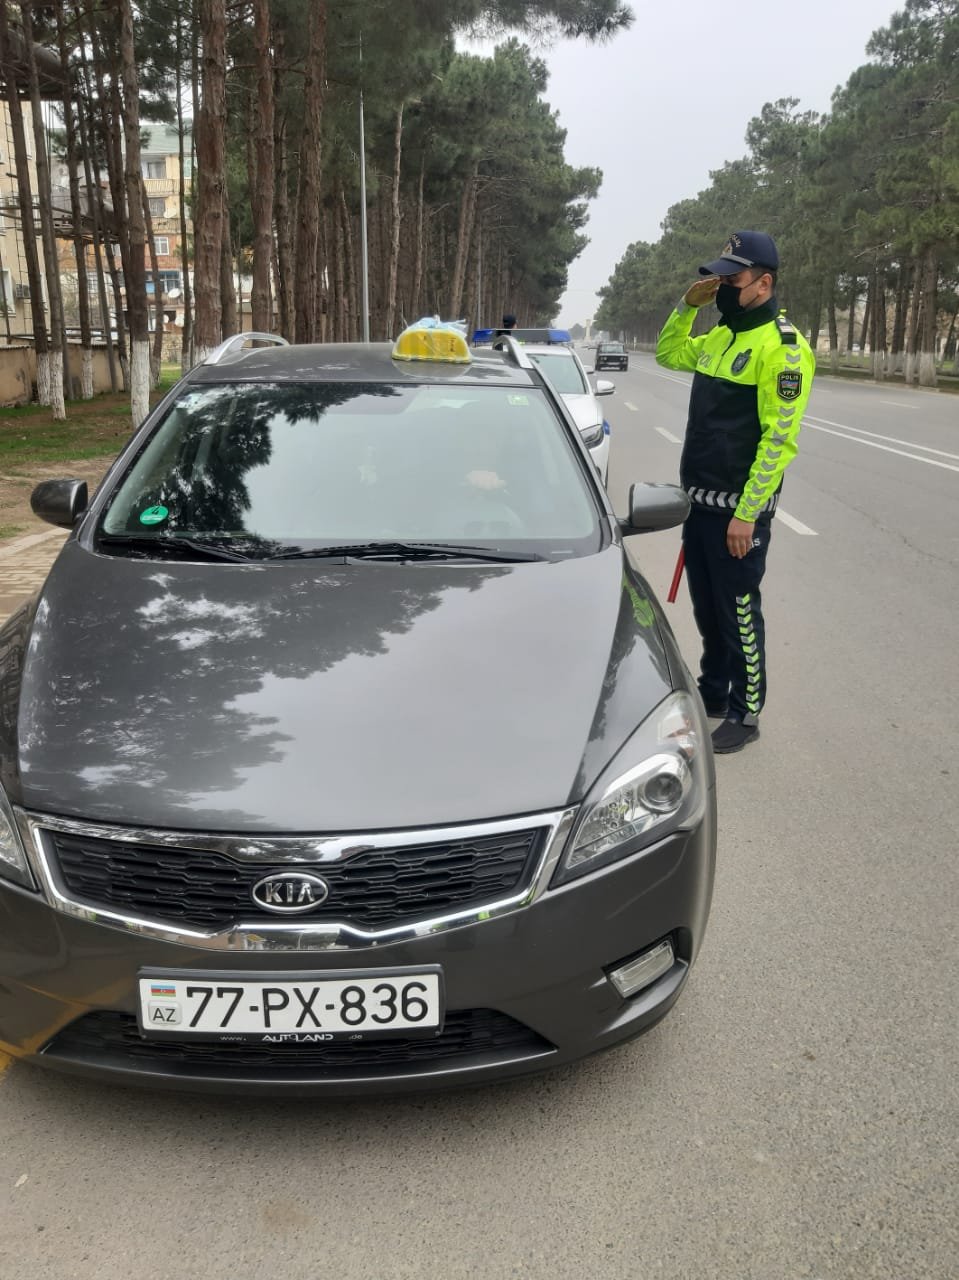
(701, 292)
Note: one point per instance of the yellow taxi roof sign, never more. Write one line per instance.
(431, 339)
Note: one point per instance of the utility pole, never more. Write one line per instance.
(364, 250)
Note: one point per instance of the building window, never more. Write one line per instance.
(158, 207)
(168, 280)
(155, 168)
(8, 302)
(162, 246)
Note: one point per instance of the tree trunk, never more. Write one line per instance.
(136, 279)
(899, 321)
(94, 204)
(395, 224)
(340, 314)
(833, 327)
(261, 183)
(115, 229)
(284, 245)
(816, 320)
(851, 328)
(927, 355)
(41, 340)
(464, 232)
(186, 334)
(227, 287)
(912, 328)
(305, 284)
(416, 305)
(156, 355)
(210, 177)
(867, 316)
(878, 326)
(44, 202)
(76, 209)
(352, 307)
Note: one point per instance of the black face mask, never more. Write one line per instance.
(727, 300)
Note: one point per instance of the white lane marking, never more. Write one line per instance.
(899, 404)
(666, 377)
(630, 406)
(797, 526)
(885, 448)
(668, 435)
(925, 448)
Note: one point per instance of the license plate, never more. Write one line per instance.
(308, 1007)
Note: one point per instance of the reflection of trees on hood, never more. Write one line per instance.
(225, 432)
(183, 711)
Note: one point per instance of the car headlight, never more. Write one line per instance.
(656, 785)
(13, 860)
(592, 436)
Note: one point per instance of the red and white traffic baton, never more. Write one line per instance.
(677, 575)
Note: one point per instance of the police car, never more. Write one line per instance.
(345, 748)
(563, 367)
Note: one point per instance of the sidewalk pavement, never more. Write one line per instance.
(24, 564)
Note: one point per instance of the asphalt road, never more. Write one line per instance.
(797, 1115)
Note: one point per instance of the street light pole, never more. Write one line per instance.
(364, 252)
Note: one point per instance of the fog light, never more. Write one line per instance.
(636, 974)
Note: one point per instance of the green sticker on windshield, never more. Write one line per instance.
(154, 515)
(521, 400)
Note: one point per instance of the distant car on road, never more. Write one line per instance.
(611, 355)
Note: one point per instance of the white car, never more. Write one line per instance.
(564, 369)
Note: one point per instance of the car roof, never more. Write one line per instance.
(357, 362)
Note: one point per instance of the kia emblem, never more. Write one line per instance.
(289, 892)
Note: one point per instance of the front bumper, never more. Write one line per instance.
(524, 991)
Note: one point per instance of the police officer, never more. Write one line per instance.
(752, 377)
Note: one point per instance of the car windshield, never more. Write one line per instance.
(272, 466)
(562, 371)
(612, 346)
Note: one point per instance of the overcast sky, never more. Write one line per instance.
(662, 104)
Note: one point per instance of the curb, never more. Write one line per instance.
(13, 549)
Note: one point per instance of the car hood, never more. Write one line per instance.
(586, 413)
(315, 697)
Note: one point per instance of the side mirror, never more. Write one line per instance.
(653, 507)
(604, 387)
(60, 502)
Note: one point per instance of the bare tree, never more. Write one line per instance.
(45, 210)
(262, 177)
(76, 210)
(210, 176)
(305, 286)
(135, 275)
(41, 339)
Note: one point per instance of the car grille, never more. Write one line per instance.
(372, 890)
(113, 1039)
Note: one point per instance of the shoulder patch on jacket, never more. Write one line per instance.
(789, 384)
(786, 331)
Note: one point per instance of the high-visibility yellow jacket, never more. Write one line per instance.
(752, 380)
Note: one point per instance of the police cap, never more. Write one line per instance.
(744, 249)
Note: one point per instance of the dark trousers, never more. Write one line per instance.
(727, 605)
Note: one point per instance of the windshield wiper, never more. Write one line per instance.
(407, 551)
(174, 547)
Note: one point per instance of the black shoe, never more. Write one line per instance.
(716, 710)
(733, 735)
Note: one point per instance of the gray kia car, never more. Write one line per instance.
(345, 748)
